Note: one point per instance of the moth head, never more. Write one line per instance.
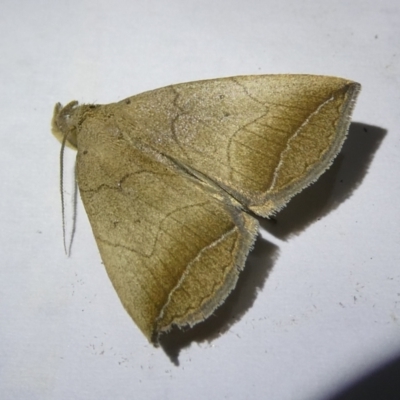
(65, 123)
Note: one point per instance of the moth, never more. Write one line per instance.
(171, 178)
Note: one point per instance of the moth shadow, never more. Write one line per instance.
(251, 280)
(336, 185)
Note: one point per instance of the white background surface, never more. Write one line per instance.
(314, 310)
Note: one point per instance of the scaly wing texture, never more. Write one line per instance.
(172, 246)
(262, 138)
(164, 175)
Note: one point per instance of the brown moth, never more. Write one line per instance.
(170, 177)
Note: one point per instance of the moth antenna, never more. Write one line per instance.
(67, 249)
(75, 203)
(62, 189)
